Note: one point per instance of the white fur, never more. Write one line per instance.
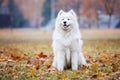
(67, 42)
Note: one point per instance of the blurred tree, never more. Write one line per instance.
(110, 7)
(89, 8)
(68, 4)
(17, 17)
(5, 19)
(46, 12)
(1, 1)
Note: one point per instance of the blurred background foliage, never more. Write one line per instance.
(42, 13)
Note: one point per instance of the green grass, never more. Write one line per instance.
(105, 54)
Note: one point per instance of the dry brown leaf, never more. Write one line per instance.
(104, 55)
(63, 77)
(9, 70)
(100, 74)
(103, 59)
(33, 71)
(94, 76)
(94, 66)
(3, 57)
(115, 67)
(48, 63)
(42, 55)
(97, 75)
(10, 60)
(14, 55)
(51, 70)
(22, 56)
(78, 73)
(28, 65)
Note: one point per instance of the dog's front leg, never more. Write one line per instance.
(60, 60)
(54, 64)
(74, 60)
(82, 60)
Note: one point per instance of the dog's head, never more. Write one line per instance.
(66, 20)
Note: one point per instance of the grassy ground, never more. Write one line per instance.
(31, 59)
(8, 35)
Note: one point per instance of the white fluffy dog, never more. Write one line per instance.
(67, 42)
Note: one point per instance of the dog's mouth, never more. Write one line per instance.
(65, 27)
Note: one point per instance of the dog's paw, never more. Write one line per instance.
(86, 65)
(60, 68)
(54, 64)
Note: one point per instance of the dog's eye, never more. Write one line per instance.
(68, 19)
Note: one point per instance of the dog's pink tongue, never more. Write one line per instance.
(65, 26)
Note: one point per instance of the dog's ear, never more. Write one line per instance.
(60, 12)
(72, 12)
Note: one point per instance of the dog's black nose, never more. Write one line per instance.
(64, 22)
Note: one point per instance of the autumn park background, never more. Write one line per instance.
(26, 28)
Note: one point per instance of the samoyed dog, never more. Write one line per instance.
(67, 42)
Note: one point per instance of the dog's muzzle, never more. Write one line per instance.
(65, 24)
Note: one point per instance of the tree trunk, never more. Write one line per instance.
(97, 23)
(109, 21)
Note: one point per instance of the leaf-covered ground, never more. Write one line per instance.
(32, 61)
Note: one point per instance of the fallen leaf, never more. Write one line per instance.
(10, 60)
(100, 74)
(9, 70)
(63, 77)
(103, 60)
(42, 55)
(22, 56)
(14, 55)
(94, 66)
(48, 63)
(104, 55)
(32, 71)
(94, 76)
(115, 67)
